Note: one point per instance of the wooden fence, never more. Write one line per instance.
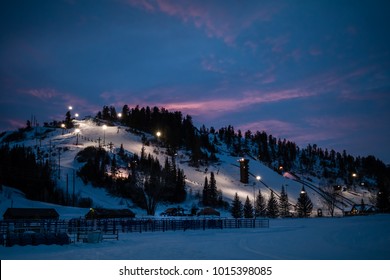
(80, 230)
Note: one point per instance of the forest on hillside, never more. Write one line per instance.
(279, 154)
(333, 167)
(150, 181)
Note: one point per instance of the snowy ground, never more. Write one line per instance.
(348, 238)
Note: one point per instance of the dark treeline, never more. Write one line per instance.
(147, 184)
(20, 169)
(279, 154)
(283, 155)
(176, 131)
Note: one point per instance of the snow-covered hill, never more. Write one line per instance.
(61, 146)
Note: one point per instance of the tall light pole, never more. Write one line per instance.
(104, 134)
(258, 178)
(63, 126)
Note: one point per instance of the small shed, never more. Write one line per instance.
(31, 214)
(103, 213)
(208, 211)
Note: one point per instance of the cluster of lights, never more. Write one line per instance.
(76, 114)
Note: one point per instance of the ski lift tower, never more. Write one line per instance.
(244, 170)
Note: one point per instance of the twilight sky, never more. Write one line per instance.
(308, 71)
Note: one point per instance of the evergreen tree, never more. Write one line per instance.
(114, 167)
(68, 120)
(248, 208)
(260, 208)
(121, 152)
(304, 205)
(106, 113)
(283, 204)
(237, 208)
(28, 125)
(206, 192)
(272, 206)
(180, 191)
(213, 193)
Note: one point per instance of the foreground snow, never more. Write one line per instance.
(366, 238)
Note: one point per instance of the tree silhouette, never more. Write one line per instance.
(260, 205)
(248, 208)
(284, 207)
(272, 206)
(236, 208)
(304, 205)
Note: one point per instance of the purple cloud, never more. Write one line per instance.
(218, 21)
(42, 93)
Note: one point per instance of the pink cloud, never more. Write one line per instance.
(214, 64)
(217, 21)
(15, 123)
(314, 130)
(225, 105)
(144, 4)
(269, 79)
(257, 96)
(61, 100)
(301, 135)
(270, 126)
(42, 93)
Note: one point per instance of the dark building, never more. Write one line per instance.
(244, 170)
(31, 214)
(102, 213)
(208, 211)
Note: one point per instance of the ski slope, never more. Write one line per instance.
(69, 142)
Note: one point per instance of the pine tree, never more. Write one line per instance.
(304, 205)
(248, 208)
(272, 206)
(260, 208)
(236, 209)
(68, 120)
(121, 152)
(213, 193)
(180, 191)
(114, 167)
(283, 204)
(206, 192)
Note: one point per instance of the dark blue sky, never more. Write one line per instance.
(309, 71)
